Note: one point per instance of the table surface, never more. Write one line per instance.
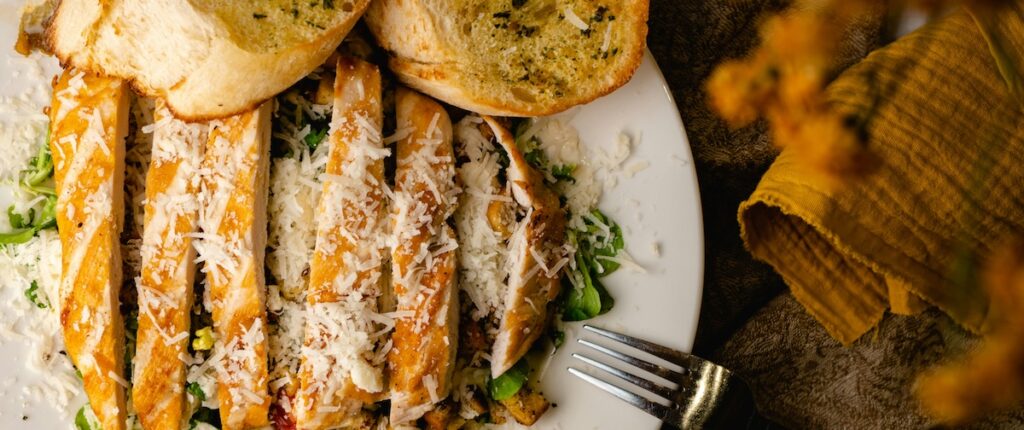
(749, 322)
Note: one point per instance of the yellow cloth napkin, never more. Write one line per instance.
(951, 141)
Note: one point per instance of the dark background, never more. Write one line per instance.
(749, 322)
(688, 38)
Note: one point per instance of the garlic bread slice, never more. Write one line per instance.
(208, 59)
(512, 58)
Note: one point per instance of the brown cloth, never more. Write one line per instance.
(801, 376)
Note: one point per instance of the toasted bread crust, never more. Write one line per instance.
(89, 120)
(443, 82)
(219, 77)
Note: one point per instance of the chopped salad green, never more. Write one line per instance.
(196, 392)
(39, 171)
(204, 416)
(601, 242)
(510, 382)
(35, 180)
(563, 172)
(315, 137)
(32, 293)
(294, 114)
(597, 245)
(85, 420)
(18, 220)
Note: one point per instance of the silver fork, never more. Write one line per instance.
(700, 394)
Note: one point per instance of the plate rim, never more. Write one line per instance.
(699, 230)
(701, 255)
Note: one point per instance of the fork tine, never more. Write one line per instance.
(676, 357)
(661, 412)
(663, 392)
(668, 374)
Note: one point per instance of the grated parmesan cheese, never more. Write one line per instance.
(23, 130)
(575, 20)
(636, 167)
(21, 322)
(482, 254)
(285, 340)
(24, 328)
(430, 383)
(295, 188)
(624, 260)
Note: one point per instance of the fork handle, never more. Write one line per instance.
(756, 421)
(737, 420)
(735, 410)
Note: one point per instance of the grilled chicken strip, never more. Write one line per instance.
(533, 253)
(424, 342)
(168, 271)
(233, 220)
(341, 371)
(88, 124)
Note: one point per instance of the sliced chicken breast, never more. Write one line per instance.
(231, 247)
(168, 271)
(424, 343)
(88, 124)
(341, 369)
(533, 253)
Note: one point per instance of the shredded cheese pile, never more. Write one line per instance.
(482, 254)
(295, 188)
(24, 326)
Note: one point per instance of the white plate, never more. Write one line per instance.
(658, 208)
